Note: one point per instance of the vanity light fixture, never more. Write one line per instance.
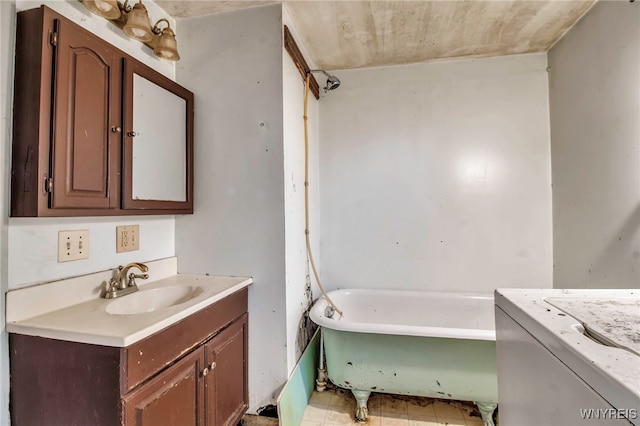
(164, 42)
(137, 25)
(134, 22)
(108, 9)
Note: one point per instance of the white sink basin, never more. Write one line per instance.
(153, 299)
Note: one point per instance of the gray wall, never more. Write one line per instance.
(594, 91)
(233, 64)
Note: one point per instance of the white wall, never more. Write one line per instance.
(7, 42)
(436, 176)
(29, 246)
(33, 242)
(297, 269)
(233, 64)
(594, 87)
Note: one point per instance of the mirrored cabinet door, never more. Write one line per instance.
(157, 142)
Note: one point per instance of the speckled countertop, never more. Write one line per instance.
(547, 314)
(612, 321)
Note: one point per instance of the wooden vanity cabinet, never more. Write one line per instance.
(69, 128)
(207, 387)
(191, 373)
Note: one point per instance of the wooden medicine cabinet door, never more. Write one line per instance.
(158, 142)
(86, 107)
(68, 86)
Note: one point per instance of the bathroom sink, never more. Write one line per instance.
(153, 299)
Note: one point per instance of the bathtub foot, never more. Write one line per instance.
(321, 381)
(486, 411)
(361, 404)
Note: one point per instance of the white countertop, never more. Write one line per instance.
(613, 372)
(89, 322)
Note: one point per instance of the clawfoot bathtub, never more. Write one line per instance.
(438, 345)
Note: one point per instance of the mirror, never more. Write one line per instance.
(158, 142)
(159, 148)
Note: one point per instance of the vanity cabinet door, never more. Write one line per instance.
(174, 397)
(226, 383)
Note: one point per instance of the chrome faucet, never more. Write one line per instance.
(121, 283)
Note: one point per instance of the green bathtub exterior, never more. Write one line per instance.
(435, 367)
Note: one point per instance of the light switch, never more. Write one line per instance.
(73, 245)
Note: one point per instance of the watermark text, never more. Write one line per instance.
(608, 413)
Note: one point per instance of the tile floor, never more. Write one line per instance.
(252, 420)
(337, 407)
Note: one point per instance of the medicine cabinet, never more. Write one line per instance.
(96, 132)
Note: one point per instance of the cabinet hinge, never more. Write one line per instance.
(53, 38)
(48, 184)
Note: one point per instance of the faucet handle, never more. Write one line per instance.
(132, 278)
(111, 284)
(110, 287)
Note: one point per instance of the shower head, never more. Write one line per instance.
(333, 82)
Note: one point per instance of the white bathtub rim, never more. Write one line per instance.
(336, 323)
(403, 330)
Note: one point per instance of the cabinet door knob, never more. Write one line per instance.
(213, 365)
(116, 129)
(205, 372)
(132, 134)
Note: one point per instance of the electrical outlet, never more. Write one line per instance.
(127, 238)
(73, 245)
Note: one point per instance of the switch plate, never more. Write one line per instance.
(127, 238)
(73, 245)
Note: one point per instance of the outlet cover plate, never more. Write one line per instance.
(73, 245)
(127, 238)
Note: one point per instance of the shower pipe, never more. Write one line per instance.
(306, 196)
